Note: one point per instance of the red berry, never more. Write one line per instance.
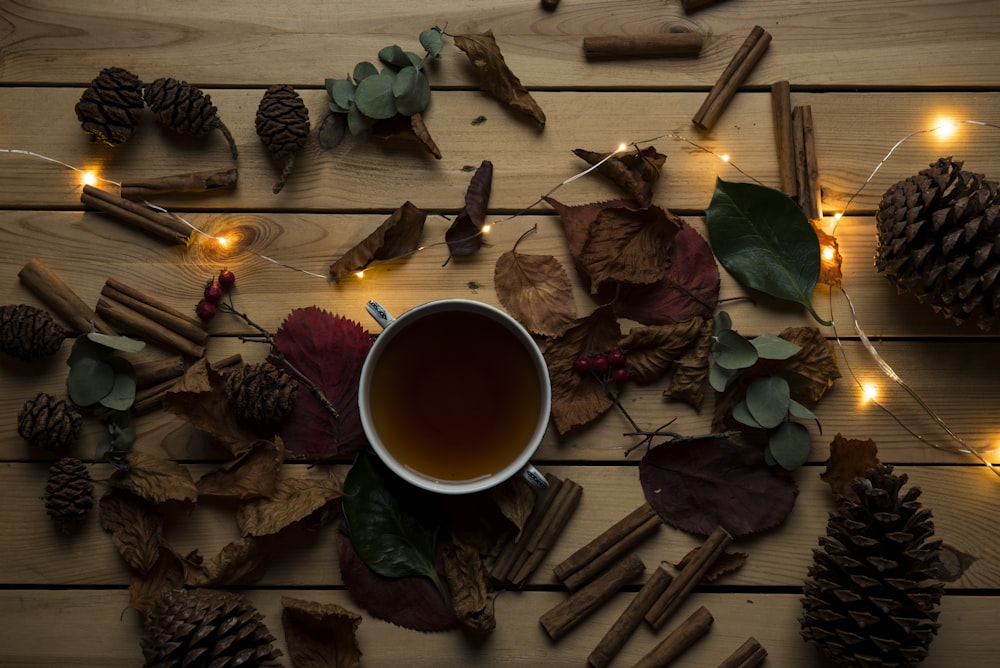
(582, 365)
(213, 292)
(599, 363)
(205, 310)
(620, 375)
(226, 278)
(617, 358)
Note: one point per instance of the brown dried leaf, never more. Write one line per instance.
(691, 370)
(653, 350)
(294, 499)
(830, 259)
(135, 526)
(516, 499)
(156, 479)
(635, 172)
(577, 220)
(628, 246)
(816, 361)
(536, 290)
(166, 574)
(398, 236)
(725, 563)
(849, 459)
(243, 561)
(464, 236)
(495, 77)
(408, 128)
(252, 475)
(463, 570)
(578, 400)
(320, 635)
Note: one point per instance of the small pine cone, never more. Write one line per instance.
(206, 628)
(185, 109)
(27, 332)
(283, 126)
(69, 492)
(872, 593)
(49, 423)
(261, 393)
(939, 239)
(111, 107)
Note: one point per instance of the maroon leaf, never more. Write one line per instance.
(465, 236)
(698, 485)
(329, 350)
(576, 222)
(397, 237)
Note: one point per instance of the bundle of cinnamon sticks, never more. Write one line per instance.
(136, 312)
(796, 146)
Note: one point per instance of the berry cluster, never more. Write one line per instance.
(612, 365)
(214, 291)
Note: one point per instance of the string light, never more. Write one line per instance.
(869, 392)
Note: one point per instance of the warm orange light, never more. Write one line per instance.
(360, 274)
(724, 157)
(487, 228)
(829, 253)
(944, 128)
(223, 241)
(88, 178)
(869, 392)
(621, 148)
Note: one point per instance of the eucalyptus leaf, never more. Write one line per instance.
(765, 241)
(742, 415)
(386, 534)
(720, 377)
(363, 70)
(415, 59)
(394, 56)
(374, 97)
(768, 400)
(123, 344)
(84, 347)
(772, 347)
(721, 322)
(341, 94)
(412, 91)
(122, 393)
(790, 445)
(733, 351)
(358, 122)
(89, 381)
(431, 40)
(769, 458)
(798, 410)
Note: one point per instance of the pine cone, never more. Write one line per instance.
(283, 126)
(49, 423)
(185, 109)
(111, 107)
(261, 393)
(871, 596)
(69, 492)
(27, 332)
(938, 239)
(206, 628)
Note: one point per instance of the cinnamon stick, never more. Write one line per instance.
(689, 576)
(137, 323)
(739, 68)
(619, 539)
(694, 5)
(150, 397)
(662, 45)
(155, 223)
(154, 372)
(156, 310)
(806, 169)
(687, 633)
(551, 527)
(781, 114)
(187, 183)
(578, 606)
(53, 291)
(748, 655)
(629, 620)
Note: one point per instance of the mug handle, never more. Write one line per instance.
(535, 478)
(378, 312)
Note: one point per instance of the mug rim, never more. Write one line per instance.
(431, 483)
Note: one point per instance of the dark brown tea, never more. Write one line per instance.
(455, 396)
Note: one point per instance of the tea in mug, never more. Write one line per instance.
(455, 395)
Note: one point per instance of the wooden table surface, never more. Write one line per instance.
(872, 73)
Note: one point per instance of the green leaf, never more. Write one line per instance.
(363, 70)
(358, 122)
(374, 97)
(720, 377)
(742, 415)
(89, 381)
(768, 400)
(388, 537)
(415, 59)
(84, 347)
(341, 93)
(790, 445)
(412, 91)
(124, 344)
(771, 347)
(765, 241)
(733, 351)
(431, 40)
(721, 322)
(122, 393)
(800, 411)
(395, 56)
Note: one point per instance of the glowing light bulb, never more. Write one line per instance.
(945, 128)
(622, 147)
(88, 178)
(487, 228)
(222, 241)
(360, 274)
(829, 253)
(724, 157)
(869, 391)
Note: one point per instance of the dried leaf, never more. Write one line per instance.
(816, 361)
(397, 237)
(465, 236)
(830, 259)
(135, 526)
(463, 571)
(320, 635)
(293, 500)
(516, 499)
(849, 459)
(634, 172)
(495, 77)
(725, 563)
(166, 574)
(252, 475)
(691, 370)
(628, 246)
(243, 561)
(578, 400)
(577, 220)
(536, 290)
(408, 128)
(652, 351)
(329, 350)
(700, 484)
(155, 479)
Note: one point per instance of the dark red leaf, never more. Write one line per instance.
(698, 485)
(329, 350)
(576, 222)
(465, 237)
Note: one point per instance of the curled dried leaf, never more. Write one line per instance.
(243, 561)
(135, 526)
(653, 350)
(816, 361)
(293, 500)
(320, 635)
(155, 479)
(398, 236)
(536, 290)
(166, 574)
(633, 172)
(251, 475)
(849, 458)
(515, 499)
(465, 236)
(690, 371)
(470, 597)
(408, 128)
(627, 245)
(495, 77)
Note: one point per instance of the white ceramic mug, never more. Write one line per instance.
(439, 330)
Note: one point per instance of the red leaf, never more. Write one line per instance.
(464, 237)
(576, 222)
(398, 236)
(698, 485)
(329, 350)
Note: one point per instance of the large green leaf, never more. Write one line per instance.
(373, 96)
(388, 536)
(765, 241)
(412, 91)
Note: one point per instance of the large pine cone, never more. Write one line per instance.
(871, 596)
(185, 109)
(206, 628)
(69, 492)
(111, 106)
(283, 125)
(28, 332)
(49, 423)
(939, 239)
(261, 393)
